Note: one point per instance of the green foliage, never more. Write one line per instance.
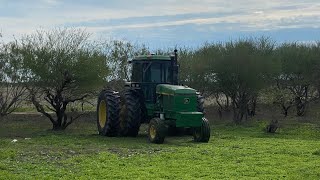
(237, 69)
(48, 55)
(118, 54)
(244, 66)
(242, 70)
(299, 64)
(12, 92)
(59, 67)
(297, 60)
(315, 50)
(196, 68)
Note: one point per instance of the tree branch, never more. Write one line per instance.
(76, 99)
(38, 106)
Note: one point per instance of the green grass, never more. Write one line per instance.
(233, 152)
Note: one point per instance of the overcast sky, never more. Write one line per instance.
(165, 23)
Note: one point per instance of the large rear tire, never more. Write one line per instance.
(202, 134)
(108, 113)
(157, 131)
(130, 114)
(144, 116)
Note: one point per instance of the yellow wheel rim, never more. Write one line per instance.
(102, 113)
(152, 132)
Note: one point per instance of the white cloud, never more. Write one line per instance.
(258, 20)
(51, 2)
(250, 14)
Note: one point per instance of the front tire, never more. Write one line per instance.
(108, 113)
(157, 131)
(202, 134)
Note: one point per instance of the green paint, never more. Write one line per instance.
(189, 119)
(151, 108)
(180, 104)
(167, 89)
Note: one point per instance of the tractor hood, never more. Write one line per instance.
(167, 89)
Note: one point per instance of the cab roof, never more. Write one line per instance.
(152, 57)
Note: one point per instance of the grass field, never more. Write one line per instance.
(233, 152)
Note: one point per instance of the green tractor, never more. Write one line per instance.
(153, 96)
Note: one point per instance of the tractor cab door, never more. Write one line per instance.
(155, 73)
(149, 74)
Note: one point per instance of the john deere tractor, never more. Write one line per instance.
(153, 96)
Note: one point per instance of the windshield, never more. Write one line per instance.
(157, 72)
(152, 72)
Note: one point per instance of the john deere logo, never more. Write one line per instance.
(186, 100)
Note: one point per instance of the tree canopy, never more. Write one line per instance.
(61, 66)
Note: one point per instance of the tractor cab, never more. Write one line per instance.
(150, 70)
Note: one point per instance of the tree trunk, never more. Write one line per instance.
(300, 106)
(220, 112)
(227, 105)
(57, 127)
(251, 110)
(240, 106)
(285, 110)
(238, 114)
(254, 106)
(301, 110)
